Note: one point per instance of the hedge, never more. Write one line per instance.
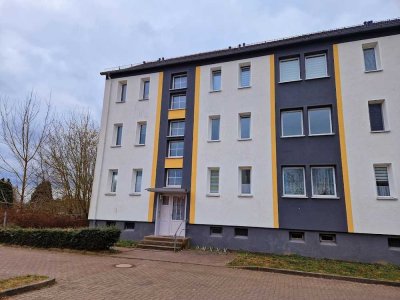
(82, 239)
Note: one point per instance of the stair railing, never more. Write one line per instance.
(176, 233)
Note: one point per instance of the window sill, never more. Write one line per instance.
(135, 194)
(179, 89)
(243, 140)
(295, 196)
(212, 195)
(116, 146)
(143, 99)
(325, 197)
(110, 194)
(292, 136)
(295, 80)
(386, 198)
(245, 195)
(213, 141)
(175, 109)
(322, 77)
(322, 134)
(175, 157)
(140, 145)
(373, 71)
(380, 131)
(244, 87)
(120, 102)
(241, 237)
(216, 91)
(215, 235)
(297, 241)
(327, 243)
(175, 136)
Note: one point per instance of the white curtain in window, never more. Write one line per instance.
(289, 70)
(293, 180)
(369, 59)
(323, 181)
(316, 66)
(214, 181)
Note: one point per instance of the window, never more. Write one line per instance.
(123, 92)
(165, 200)
(178, 102)
(214, 128)
(129, 225)
(114, 179)
(118, 135)
(327, 238)
(178, 208)
(289, 69)
(292, 123)
(138, 175)
(382, 181)
(296, 236)
(146, 89)
(142, 133)
(216, 80)
(294, 181)
(323, 182)
(244, 126)
(174, 177)
(245, 181)
(376, 116)
(241, 232)
(179, 82)
(244, 76)
(111, 223)
(216, 230)
(394, 242)
(177, 128)
(370, 57)
(214, 180)
(175, 149)
(316, 66)
(320, 121)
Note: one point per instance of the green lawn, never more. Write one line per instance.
(326, 266)
(19, 281)
(126, 244)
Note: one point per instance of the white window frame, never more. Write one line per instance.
(330, 121)
(173, 186)
(214, 70)
(174, 77)
(142, 84)
(385, 116)
(210, 119)
(378, 63)
(334, 183)
(392, 187)
(169, 148)
(111, 181)
(312, 56)
(304, 183)
(302, 123)
(138, 131)
(209, 180)
(170, 127)
(119, 95)
(280, 71)
(115, 135)
(240, 181)
(244, 65)
(177, 95)
(244, 115)
(134, 179)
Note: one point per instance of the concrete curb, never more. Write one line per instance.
(28, 288)
(319, 275)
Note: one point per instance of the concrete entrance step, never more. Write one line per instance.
(164, 243)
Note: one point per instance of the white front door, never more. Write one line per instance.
(171, 215)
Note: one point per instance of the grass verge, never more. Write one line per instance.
(126, 244)
(15, 282)
(326, 266)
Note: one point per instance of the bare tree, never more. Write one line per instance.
(70, 155)
(24, 129)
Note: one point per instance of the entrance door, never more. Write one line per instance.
(171, 215)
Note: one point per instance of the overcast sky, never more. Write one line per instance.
(61, 46)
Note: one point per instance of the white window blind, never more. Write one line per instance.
(214, 181)
(245, 76)
(289, 70)
(382, 180)
(316, 66)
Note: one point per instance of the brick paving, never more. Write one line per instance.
(95, 277)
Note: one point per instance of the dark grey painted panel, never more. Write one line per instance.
(141, 230)
(349, 246)
(307, 151)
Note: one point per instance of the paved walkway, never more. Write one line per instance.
(95, 277)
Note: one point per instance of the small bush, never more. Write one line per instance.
(80, 239)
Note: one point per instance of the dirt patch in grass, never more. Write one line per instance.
(19, 281)
(387, 272)
(126, 244)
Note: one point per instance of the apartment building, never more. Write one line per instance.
(288, 146)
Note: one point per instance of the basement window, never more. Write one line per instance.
(296, 236)
(129, 225)
(241, 232)
(327, 238)
(111, 223)
(216, 230)
(394, 243)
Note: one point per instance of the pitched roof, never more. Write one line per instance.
(367, 27)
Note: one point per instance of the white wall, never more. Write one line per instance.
(364, 149)
(123, 206)
(229, 154)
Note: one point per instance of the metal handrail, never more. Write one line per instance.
(176, 232)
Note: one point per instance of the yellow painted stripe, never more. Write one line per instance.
(155, 149)
(273, 141)
(174, 163)
(192, 213)
(176, 114)
(343, 150)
